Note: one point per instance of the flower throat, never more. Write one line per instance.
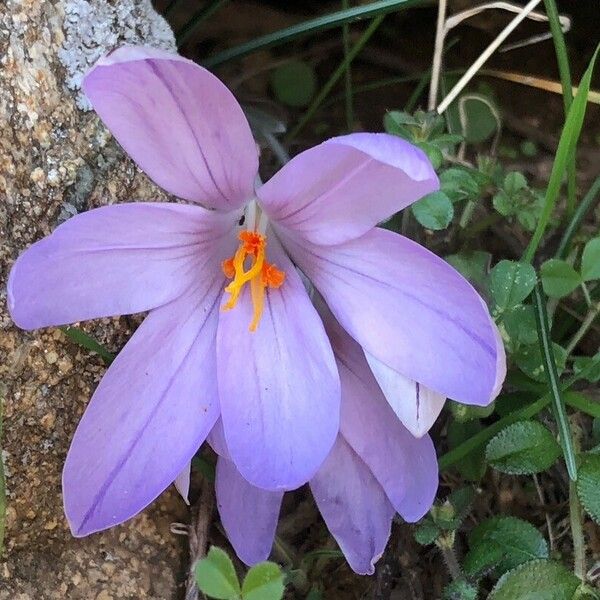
(259, 275)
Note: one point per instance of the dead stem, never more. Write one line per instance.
(200, 522)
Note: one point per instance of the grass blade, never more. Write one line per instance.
(323, 23)
(560, 413)
(190, 27)
(349, 98)
(342, 68)
(567, 89)
(585, 205)
(88, 342)
(566, 148)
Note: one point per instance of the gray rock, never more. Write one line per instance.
(55, 160)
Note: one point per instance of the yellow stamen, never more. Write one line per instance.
(260, 275)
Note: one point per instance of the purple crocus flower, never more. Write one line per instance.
(207, 274)
(375, 469)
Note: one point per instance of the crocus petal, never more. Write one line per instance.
(406, 467)
(249, 514)
(182, 483)
(410, 310)
(216, 439)
(354, 507)
(149, 415)
(278, 386)
(340, 189)
(414, 404)
(114, 260)
(180, 124)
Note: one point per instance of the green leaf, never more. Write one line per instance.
(514, 182)
(502, 202)
(590, 260)
(472, 265)
(519, 325)
(434, 211)
(397, 123)
(479, 118)
(529, 359)
(528, 148)
(461, 500)
(472, 466)
(458, 184)
(564, 153)
(588, 485)
(434, 154)
(263, 581)
(536, 580)
(450, 514)
(426, 532)
(559, 278)
(503, 543)
(294, 83)
(590, 365)
(216, 577)
(465, 412)
(460, 590)
(88, 342)
(510, 283)
(523, 448)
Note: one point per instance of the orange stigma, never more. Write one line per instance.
(260, 274)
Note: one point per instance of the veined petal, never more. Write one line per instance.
(278, 386)
(354, 507)
(149, 415)
(115, 260)
(406, 467)
(410, 310)
(414, 404)
(179, 123)
(340, 189)
(249, 514)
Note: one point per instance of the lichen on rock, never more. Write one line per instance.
(55, 161)
(93, 28)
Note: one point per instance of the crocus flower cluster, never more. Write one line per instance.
(339, 393)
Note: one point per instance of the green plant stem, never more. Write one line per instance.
(323, 23)
(447, 550)
(560, 413)
(312, 109)
(586, 294)
(190, 27)
(456, 454)
(583, 328)
(567, 86)
(576, 522)
(581, 211)
(349, 98)
(480, 438)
